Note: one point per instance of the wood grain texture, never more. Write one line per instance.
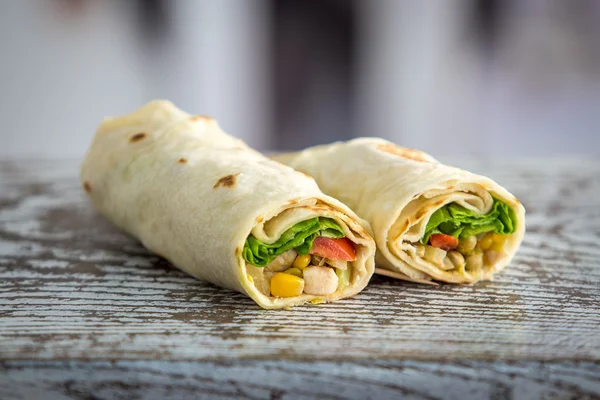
(299, 380)
(73, 288)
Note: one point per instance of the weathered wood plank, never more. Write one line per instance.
(299, 380)
(72, 287)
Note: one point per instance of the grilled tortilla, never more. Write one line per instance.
(208, 203)
(430, 221)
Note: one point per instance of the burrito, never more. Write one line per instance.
(431, 222)
(224, 213)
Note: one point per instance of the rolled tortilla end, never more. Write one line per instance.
(257, 282)
(430, 221)
(196, 195)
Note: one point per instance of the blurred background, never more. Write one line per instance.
(487, 77)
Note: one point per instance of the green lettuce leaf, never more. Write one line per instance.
(457, 221)
(300, 237)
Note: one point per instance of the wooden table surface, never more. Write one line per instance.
(86, 312)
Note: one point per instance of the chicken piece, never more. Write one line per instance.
(320, 280)
(282, 261)
(339, 264)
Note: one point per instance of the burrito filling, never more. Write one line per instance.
(311, 257)
(457, 238)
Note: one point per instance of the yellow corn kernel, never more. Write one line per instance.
(286, 285)
(302, 262)
(486, 241)
(316, 301)
(499, 243)
(294, 271)
(250, 278)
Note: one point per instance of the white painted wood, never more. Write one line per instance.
(298, 380)
(73, 288)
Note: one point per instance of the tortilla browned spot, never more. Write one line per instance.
(199, 117)
(405, 225)
(238, 251)
(182, 160)
(87, 187)
(318, 207)
(226, 181)
(409, 154)
(292, 201)
(259, 219)
(360, 230)
(517, 201)
(137, 137)
(403, 229)
(421, 213)
(438, 203)
(307, 175)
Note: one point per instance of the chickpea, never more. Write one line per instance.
(466, 245)
(475, 261)
(456, 258)
(486, 241)
(492, 257)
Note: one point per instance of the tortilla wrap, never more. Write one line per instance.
(397, 190)
(193, 194)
